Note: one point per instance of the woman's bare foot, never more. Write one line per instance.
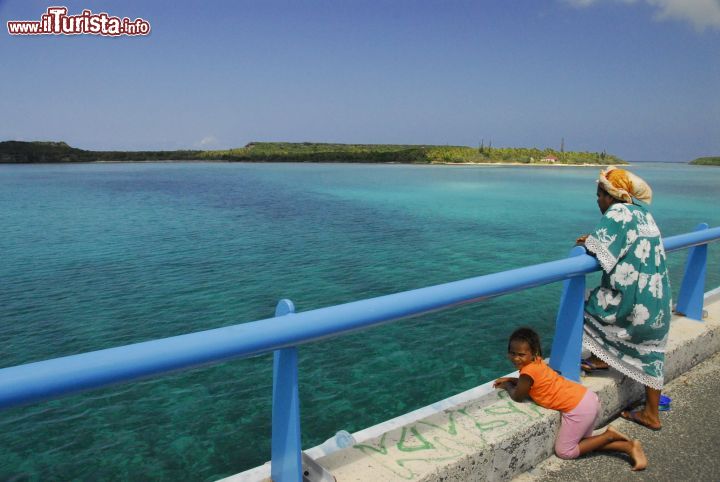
(593, 363)
(637, 454)
(598, 362)
(641, 417)
(616, 435)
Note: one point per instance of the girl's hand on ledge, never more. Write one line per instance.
(581, 240)
(500, 382)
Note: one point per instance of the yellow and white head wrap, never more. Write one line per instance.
(624, 185)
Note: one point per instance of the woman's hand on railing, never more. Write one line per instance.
(581, 240)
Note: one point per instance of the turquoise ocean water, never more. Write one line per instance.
(96, 256)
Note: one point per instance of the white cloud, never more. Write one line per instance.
(701, 14)
(580, 3)
(207, 141)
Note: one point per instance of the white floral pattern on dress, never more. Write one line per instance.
(656, 286)
(624, 275)
(641, 219)
(632, 235)
(616, 333)
(659, 253)
(618, 212)
(642, 252)
(658, 323)
(639, 315)
(606, 297)
(605, 238)
(632, 361)
(657, 366)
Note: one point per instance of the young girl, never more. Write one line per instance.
(579, 406)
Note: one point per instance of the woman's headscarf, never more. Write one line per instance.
(624, 185)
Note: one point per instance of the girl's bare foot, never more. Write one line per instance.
(637, 454)
(616, 435)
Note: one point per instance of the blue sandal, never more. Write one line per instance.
(664, 403)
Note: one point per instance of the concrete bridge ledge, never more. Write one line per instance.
(482, 435)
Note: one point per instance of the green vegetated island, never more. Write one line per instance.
(706, 161)
(54, 152)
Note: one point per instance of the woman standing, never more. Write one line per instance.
(627, 317)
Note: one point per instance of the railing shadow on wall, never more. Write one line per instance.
(282, 334)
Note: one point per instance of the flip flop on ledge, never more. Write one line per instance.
(587, 365)
(632, 416)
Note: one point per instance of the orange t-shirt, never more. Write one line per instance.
(551, 390)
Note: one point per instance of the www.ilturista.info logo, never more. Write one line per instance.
(56, 21)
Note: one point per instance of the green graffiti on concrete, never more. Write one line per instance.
(446, 436)
(425, 445)
(451, 429)
(364, 447)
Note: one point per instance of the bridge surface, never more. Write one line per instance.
(685, 449)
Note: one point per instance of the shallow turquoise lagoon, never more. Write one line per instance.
(96, 256)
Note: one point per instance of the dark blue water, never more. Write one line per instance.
(96, 256)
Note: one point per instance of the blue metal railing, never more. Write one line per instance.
(37, 381)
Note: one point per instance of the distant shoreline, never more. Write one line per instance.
(538, 164)
(389, 163)
(20, 152)
(706, 161)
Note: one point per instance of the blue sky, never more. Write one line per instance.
(638, 78)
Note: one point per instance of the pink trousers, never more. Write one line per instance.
(576, 425)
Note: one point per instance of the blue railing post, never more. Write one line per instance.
(567, 344)
(692, 290)
(286, 461)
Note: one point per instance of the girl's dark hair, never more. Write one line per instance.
(529, 336)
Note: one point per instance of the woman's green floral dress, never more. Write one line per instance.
(627, 317)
